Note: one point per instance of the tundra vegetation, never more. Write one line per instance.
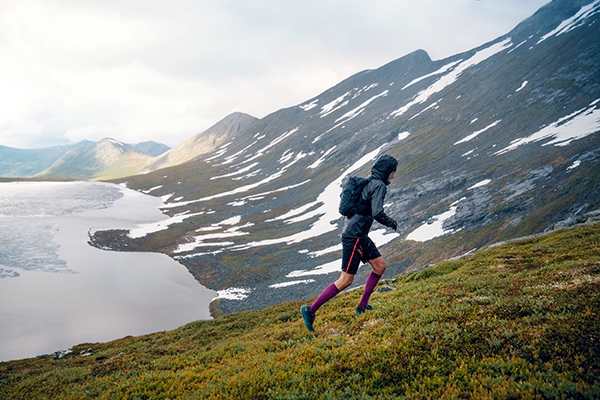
(519, 320)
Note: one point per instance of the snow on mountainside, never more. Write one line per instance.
(494, 143)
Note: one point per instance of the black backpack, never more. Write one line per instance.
(350, 202)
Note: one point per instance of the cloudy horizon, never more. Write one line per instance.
(164, 71)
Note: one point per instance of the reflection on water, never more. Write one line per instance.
(57, 291)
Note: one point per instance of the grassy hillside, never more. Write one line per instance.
(519, 320)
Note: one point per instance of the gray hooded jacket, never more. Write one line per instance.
(359, 225)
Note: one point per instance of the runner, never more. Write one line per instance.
(357, 246)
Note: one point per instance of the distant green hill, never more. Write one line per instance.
(105, 159)
(517, 321)
(19, 163)
(83, 160)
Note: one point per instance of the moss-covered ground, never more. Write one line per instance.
(517, 321)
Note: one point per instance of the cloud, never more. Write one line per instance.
(165, 70)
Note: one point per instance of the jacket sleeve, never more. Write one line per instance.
(377, 197)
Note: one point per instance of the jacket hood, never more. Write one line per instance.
(383, 168)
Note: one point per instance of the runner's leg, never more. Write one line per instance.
(379, 267)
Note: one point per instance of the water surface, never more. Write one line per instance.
(57, 291)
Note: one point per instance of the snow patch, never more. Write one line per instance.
(286, 284)
(309, 106)
(522, 86)
(451, 77)
(480, 184)
(574, 165)
(435, 226)
(320, 160)
(403, 135)
(334, 105)
(476, 133)
(574, 126)
(575, 21)
(145, 229)
(442, 70)
(233, 294)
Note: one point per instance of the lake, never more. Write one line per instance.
(57, 291)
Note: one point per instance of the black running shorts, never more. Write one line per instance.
(355, 250)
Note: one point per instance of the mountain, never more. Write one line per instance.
(105, 159)
(152, 148)
(495, 143)
(203, 142)
(18, 163)
(24, 163)
(518, 321)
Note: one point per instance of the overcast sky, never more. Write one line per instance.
(138, 70)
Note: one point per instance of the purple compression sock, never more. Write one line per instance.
(328, 294)
(369, 286)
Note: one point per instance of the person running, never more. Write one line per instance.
(356, 244)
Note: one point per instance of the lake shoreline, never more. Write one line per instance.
(99, 295)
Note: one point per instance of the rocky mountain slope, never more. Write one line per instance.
(494, 143)
(203, 142)
(110, 159)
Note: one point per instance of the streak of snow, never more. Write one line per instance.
(144, 229)
(480, 184)
(320, 160)
(574, 126)
(201, 240)
(575, 21)
(324, 269)
(238, 172)
(435, 226)
(152, 189)
(425, 109)
(358, 110)
(334, 105)
(319, 253)
(439, 71)
(244, 177)
(246, 188)
(309, 106)
(522, 86)
(286, 284)
(219, 151)
(453, 75)
(516, 47)
(233, 294)
(574, 165)
(476, 133)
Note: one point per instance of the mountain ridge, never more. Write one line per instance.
(105, 159)
(494, 143)
(202, 142)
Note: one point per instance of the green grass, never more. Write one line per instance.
(513, 321)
